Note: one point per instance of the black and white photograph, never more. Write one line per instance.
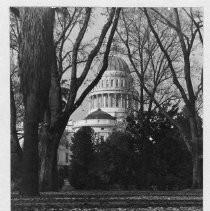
(106, 107)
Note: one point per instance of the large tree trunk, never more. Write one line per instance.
(30, 183)
(49, 142)
(15, 149)
(48, 177)
(50, 134)
(35, 63)
(15, 146)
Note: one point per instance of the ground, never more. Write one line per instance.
(187, 200)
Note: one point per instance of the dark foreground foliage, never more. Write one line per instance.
(111, 200)
(148, 158)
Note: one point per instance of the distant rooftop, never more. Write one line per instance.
(99, 114)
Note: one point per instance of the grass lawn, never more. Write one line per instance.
(187, 200)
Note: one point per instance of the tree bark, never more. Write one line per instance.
(35, 63)
(16, 151)
(49, 142)
(48, 177)
(30, 183)
(197, 176)
(15, 146)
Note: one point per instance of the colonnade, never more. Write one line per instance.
(111, 83)
(111, 100)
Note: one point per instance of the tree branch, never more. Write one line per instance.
(105, 62)
(94, 52)
(176, 82)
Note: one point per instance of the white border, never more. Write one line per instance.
(4, 78)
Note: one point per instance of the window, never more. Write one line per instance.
(116, 82)
(102, 128)
(112, 83)
(107, 83)
(122, 84)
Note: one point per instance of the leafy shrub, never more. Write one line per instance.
(82, 159)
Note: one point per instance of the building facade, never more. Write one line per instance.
(110, 100)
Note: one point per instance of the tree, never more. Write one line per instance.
(16, 151)
(186, 37)
(171, 30)
(169, 163)
(149, 64)
(82, 158)
(58, 119)
(52, 118)
(35, 63)
(16, 113)
(117, 160)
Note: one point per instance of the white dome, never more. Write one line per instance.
(117, 64)
(114, 92)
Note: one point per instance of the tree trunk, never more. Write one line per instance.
(45, 159)
(197, 180)
(15, 149)
(30, 183)
(48, 178)
(15, 146)
(35, 63)
(49, 143)
(50, 135)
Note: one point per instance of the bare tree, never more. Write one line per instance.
(187, 39)
(52, 118)
(150, 66)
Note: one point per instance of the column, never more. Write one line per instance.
(127, 101)
(89, 104)
(109, 100)
(99, 98)
(121, 100)
(114, 100)
(97, 101)
(104, 100)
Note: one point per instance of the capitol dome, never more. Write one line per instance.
(114, 92)
(117, 64)
(111, 99)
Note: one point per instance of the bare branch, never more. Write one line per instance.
(176, 82)
(94, 52)
(105, 61)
